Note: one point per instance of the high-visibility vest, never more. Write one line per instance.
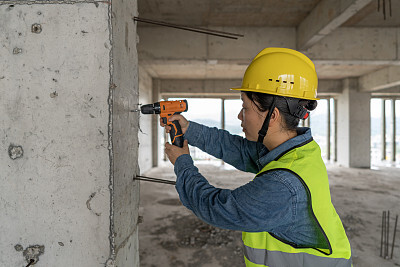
(266, 249)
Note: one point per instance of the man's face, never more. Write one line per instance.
(251, 118)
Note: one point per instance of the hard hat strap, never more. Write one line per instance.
(263, 132)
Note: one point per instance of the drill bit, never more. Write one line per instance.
(134, 110)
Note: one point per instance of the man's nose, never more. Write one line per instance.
(240, 115)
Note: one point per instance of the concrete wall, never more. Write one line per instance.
(68, 76)
(145, 133)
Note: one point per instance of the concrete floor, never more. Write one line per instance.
(171, 235)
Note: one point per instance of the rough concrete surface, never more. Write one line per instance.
(124, 94)
(63, 135)
(68, 75)
(170, 235)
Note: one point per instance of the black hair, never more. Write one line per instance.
(290, 118)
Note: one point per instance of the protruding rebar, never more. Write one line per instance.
(191, 28)
(382, 232)
(387, 235)
(394, 236)
(154, 180)
(32, 261)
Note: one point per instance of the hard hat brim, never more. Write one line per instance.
(270, 93)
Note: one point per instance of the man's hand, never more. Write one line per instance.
(182, 121)
(173, 152)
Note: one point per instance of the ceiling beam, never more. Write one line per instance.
(365, 45)
(352, 45)
(221, 87)
(383, 79)
(325, 18)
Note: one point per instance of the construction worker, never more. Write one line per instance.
(285, 212)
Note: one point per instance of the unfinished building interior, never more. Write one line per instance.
(72, 72)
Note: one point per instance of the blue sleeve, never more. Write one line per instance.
(264, 204)
(233, 149)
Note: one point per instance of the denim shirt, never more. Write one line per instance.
(274, 202)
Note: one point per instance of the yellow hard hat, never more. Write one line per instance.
(283, 72)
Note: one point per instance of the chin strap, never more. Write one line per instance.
(263, 132)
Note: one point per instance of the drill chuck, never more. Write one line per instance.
(151, 108)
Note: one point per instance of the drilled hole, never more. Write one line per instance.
(284, 81)
(36, 28)
(270, 80)
(292, 82)
(277, 81)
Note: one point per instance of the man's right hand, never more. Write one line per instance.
(182, 121)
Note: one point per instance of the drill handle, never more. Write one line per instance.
(175, 133)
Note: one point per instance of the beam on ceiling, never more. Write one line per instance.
(326, 17)
(221, 87)
(361, 45)
(358, 44)
(383, 79)
(173, 44)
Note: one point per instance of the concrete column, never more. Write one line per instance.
(354, 126)
(68, 77)
(328, 132)
(383, 129)
(223, 113)
(335, 108)
(394, 130)
(146, 153)
(157, 131)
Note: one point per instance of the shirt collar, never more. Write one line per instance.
(265, 156)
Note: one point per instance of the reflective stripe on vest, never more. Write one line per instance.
(263, 257)
(267, 249)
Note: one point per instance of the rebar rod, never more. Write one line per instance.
(382, 232)
(394, 236)
(191, 28)
(387, 234)
(154, 180)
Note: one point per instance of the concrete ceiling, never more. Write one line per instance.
(345, 38)
(275, 13)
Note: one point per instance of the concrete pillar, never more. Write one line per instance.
(146, 131)
(353, 126)
(394, 130)
(335, 108)
(383, 129)
(328, 132)
(68, 77)
(157, 131)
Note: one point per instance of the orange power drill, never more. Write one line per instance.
(166, 109)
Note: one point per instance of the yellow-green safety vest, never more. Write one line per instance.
(265, 249)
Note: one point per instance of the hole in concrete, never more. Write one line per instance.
(36, 28)
(18, 247)
(15, 152)
(33, 253)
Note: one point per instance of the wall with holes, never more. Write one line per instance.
(68, 143)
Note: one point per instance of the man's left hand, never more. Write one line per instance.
(173, 152)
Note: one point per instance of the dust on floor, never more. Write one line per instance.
(171, 235)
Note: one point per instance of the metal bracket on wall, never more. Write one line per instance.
(190, 28)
